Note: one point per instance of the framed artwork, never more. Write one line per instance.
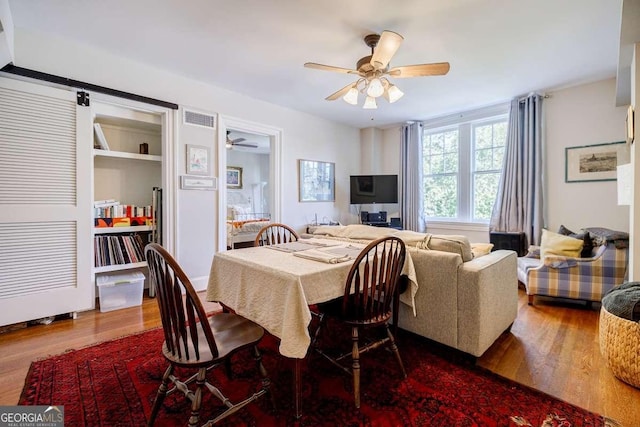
(234, 177)
(597, 162)
(198, 183)
(316, 181)
(198, 160)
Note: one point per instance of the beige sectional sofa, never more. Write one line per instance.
(462, 301)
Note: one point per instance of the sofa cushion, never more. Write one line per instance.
(558, 244)
(448, 243)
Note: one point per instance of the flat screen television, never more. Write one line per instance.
(373, 189)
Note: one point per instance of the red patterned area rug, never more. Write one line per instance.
(114, 384)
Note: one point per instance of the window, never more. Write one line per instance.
(462, 162)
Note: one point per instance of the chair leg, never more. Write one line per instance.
(355, 367)
(266, 381)
(394, 348)
(197, 398)
(530, 299)
(162, 393)
(316, 335)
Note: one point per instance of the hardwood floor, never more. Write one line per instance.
(552, 346)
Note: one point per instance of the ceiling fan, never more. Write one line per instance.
(238, 142)
(374, 69)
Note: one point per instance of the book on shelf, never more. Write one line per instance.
(101, 140)
(118, 249)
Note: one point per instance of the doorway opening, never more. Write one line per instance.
(249, 155)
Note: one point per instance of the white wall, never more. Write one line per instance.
(378, 157)
(304, 136)
(582, 115)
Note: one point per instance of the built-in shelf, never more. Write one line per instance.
(126, 155)
(113, 230)
(118, 267)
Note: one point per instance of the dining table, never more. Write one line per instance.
(274, 286)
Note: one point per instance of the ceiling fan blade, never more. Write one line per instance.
(235, 141)
(330, 68)
(246, 145)
(339, 93)
(385, 49)
(435, 69)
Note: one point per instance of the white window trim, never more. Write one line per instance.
(464, 121)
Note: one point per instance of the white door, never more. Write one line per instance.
(45, 206)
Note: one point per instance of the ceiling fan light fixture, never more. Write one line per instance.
(351, 97)
(393, 93)
(370, 103)
(375, 88)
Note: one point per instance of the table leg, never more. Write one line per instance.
(297, 387)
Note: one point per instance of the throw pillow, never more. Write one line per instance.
(448, 243)
(587, 245)
(557, 244)
(409, 237)
(534, 252)
(480, 249)
(367, 232)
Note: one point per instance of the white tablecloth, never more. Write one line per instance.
(275, 288)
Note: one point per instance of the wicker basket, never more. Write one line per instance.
(620, 346)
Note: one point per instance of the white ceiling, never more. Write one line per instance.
(497, 49)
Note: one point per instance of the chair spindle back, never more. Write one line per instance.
(274, 234)
(182, 316)
(373, 281)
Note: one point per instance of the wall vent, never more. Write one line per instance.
(199, 119)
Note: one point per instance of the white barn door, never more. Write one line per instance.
(45, 207)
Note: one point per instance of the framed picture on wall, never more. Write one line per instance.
(198, 160)
(597, 162)
(316, 181)
(234, 177)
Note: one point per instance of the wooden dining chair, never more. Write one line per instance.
(275, 233)
(370, 290)
(197, 342)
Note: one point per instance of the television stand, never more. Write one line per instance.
(393, 224)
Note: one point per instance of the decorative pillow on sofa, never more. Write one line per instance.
(411, 238)
(557, 244)
(480, 249)
(587, 246)
(533, 252)
(330, 230)
(367, 232)
(448, 243)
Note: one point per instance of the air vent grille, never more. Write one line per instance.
(199, 119)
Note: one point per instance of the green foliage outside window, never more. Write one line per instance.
(443, 152)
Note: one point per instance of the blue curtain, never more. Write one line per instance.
(412, 202)
(519, 204)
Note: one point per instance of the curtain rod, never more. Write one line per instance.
(533, 93)
(25, 72)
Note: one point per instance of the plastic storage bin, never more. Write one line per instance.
(118, 291)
